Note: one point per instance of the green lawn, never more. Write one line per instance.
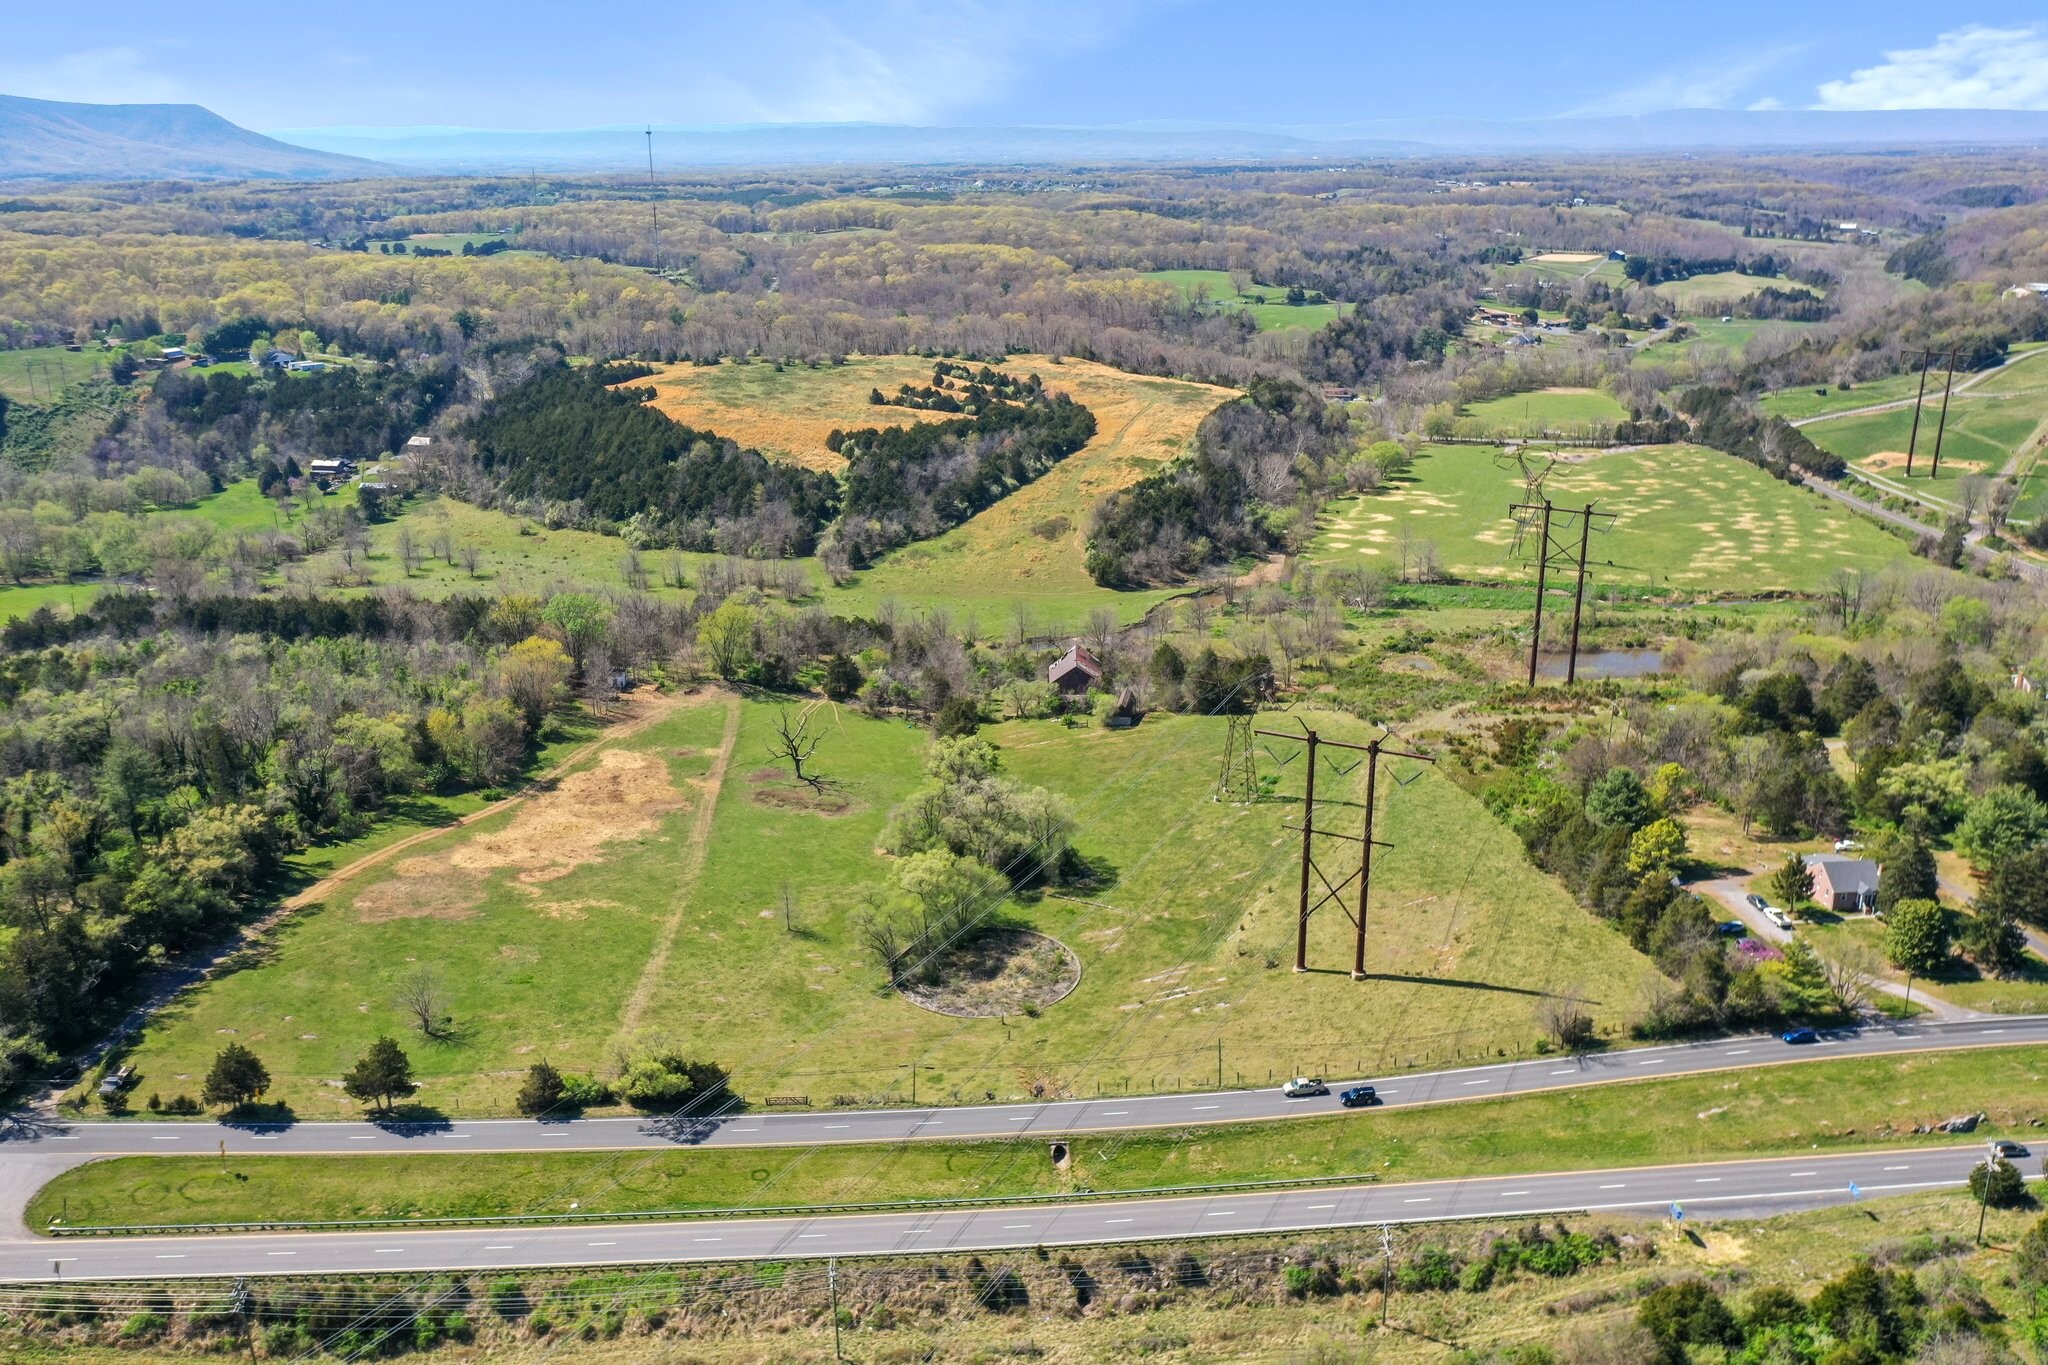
(1814, 400)
(1981, 435)
(1688, 518)
(1548, 410)
(1836, 1105)
(1184, 942)
(1728, 338)
(22, 599)
(454, 241)
(34, 374)
(1265, 303)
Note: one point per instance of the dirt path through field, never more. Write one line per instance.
(652, 708)
(687, 868)
(642, 711)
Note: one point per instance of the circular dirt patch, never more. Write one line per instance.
(999, 972)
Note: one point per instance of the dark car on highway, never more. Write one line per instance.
(1359, 1095)
(1800, 1035)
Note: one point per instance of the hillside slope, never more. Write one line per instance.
(50, 139)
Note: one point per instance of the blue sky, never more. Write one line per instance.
(524, 64)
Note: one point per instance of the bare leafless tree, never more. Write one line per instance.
(409, 553)
(442, 545)
(794, 745)
(423, 995)
(1853, 972)
(1563, 1018)
(471, 558)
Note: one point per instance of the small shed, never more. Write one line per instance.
(1075, 672)
(1844, 885)
(1127, 712)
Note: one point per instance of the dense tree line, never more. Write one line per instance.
(906, 483)
(581, 435)
(1239, 494)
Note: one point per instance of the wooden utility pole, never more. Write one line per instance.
(1927, 359)
(1311, 871)
(1919, 401)
(1948, 384)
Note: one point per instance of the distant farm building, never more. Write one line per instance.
(1844, 885)
(1074, 672)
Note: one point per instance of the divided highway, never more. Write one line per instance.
(36, 1148)
(1740, 1187)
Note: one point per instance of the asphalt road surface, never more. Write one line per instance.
(34, 1149)
(1737, 1187)
(76, 1143)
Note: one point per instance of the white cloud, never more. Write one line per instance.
(1712, 84)
(101, 75)
(1966, 68)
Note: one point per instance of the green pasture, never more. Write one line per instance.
(455, 241)
(1814, 1106)
(35, 374)
(1981, 435)
(1703, 292)
(1817, 400)
(23, 599)
(1185, 935)
(1548, 410)
(1689, 518)
(1266, 303)
(533, 968)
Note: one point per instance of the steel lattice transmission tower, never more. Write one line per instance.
(1238, 782)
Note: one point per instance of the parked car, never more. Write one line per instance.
(1756, 902)
(1732, 928)
(114, 1082)
(2009, 1150)
(1778, 917)
(1301, 1087)
(1800, 1035)
(1359, 1095)
(1847, 846)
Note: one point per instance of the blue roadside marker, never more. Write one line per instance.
(1677, 1213)
(1855, 1191)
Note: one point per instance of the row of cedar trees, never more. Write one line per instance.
(380, 1077)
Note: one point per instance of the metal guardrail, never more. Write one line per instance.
(664, 1215)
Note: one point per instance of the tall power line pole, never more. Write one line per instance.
(1311, 870)
(653, 204)
(1554, 547)
(1927, 359)
(1238, 783)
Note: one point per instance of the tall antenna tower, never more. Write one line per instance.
(653, 204)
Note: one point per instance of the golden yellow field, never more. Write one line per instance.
(787, 416)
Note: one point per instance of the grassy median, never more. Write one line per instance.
(1852, 1103)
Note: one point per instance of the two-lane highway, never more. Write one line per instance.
(1737, 1187)
(76, 1143)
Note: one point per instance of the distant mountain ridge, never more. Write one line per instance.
(622, 149)
(55, 140)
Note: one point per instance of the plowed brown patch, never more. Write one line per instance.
(555, 832)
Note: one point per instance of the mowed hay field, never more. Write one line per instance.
(1982, 434)
(642, 898)
(787, 414)
(1554, 409)
(1688, 517)
(1025, 553)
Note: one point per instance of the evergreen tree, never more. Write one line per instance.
(542, 1090)
(1792, 883)
(381, 1075)
(1908, 877)
(237, 1078)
